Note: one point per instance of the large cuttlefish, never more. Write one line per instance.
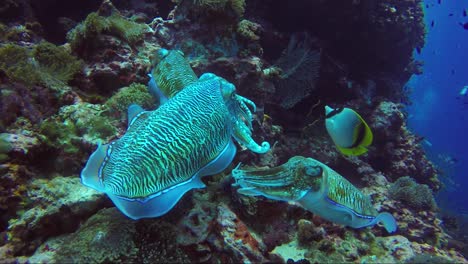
(165, 152)
(317, 188)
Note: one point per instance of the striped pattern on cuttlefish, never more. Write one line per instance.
(165, 152)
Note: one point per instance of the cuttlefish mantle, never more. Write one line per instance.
(317, 188)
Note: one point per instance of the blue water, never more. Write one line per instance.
(437, 113)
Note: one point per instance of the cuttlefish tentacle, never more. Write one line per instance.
(243, 134)
(246, 113)
(284, 183)
(317, 188)
(242, 120)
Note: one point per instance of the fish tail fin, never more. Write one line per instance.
(388, 221)
(91, 174)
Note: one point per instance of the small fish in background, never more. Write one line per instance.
(348, 130)
(464, 25)
(449, 160)
(432, 23)
(464, 12)
(418, 50)
(427, 142)
(439, 1)
(464, 91)
(451, 14)
(452, 71)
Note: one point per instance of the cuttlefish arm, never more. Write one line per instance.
(242, 129)
(283, 183)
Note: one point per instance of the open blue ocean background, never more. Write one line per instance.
(438, 112)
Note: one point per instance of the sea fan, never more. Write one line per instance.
(300, 65)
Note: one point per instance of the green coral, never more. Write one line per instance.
(76, 122)
(5, 147)
(236, 6)
(87, 31)
(417, 196)
(134, 94)
(46, 64)
(248, 30)
(100, 127)
(106, 237)
(16, 62)
(129, 30)
(59, 135)
(56, 62)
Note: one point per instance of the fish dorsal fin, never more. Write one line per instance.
(134, 112)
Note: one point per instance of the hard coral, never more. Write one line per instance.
(417, 196)
(105, 237)
(134, 94)
(249, 30)
(50, 207)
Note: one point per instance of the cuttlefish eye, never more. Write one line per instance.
(313, 171)
(162, 53)
(227, 89)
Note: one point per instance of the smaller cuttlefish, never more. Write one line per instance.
(317, 188)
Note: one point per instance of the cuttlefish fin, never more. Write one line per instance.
(387, 220)
(221, 162)
(155, 91)
(158, 204)
(134, 111)
(91, 174)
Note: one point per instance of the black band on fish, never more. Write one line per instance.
(334, 112)
(360, 136)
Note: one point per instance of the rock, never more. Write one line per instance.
(52, 207)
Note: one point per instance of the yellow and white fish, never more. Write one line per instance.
(348, 130)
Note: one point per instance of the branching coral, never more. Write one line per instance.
(417, 196)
